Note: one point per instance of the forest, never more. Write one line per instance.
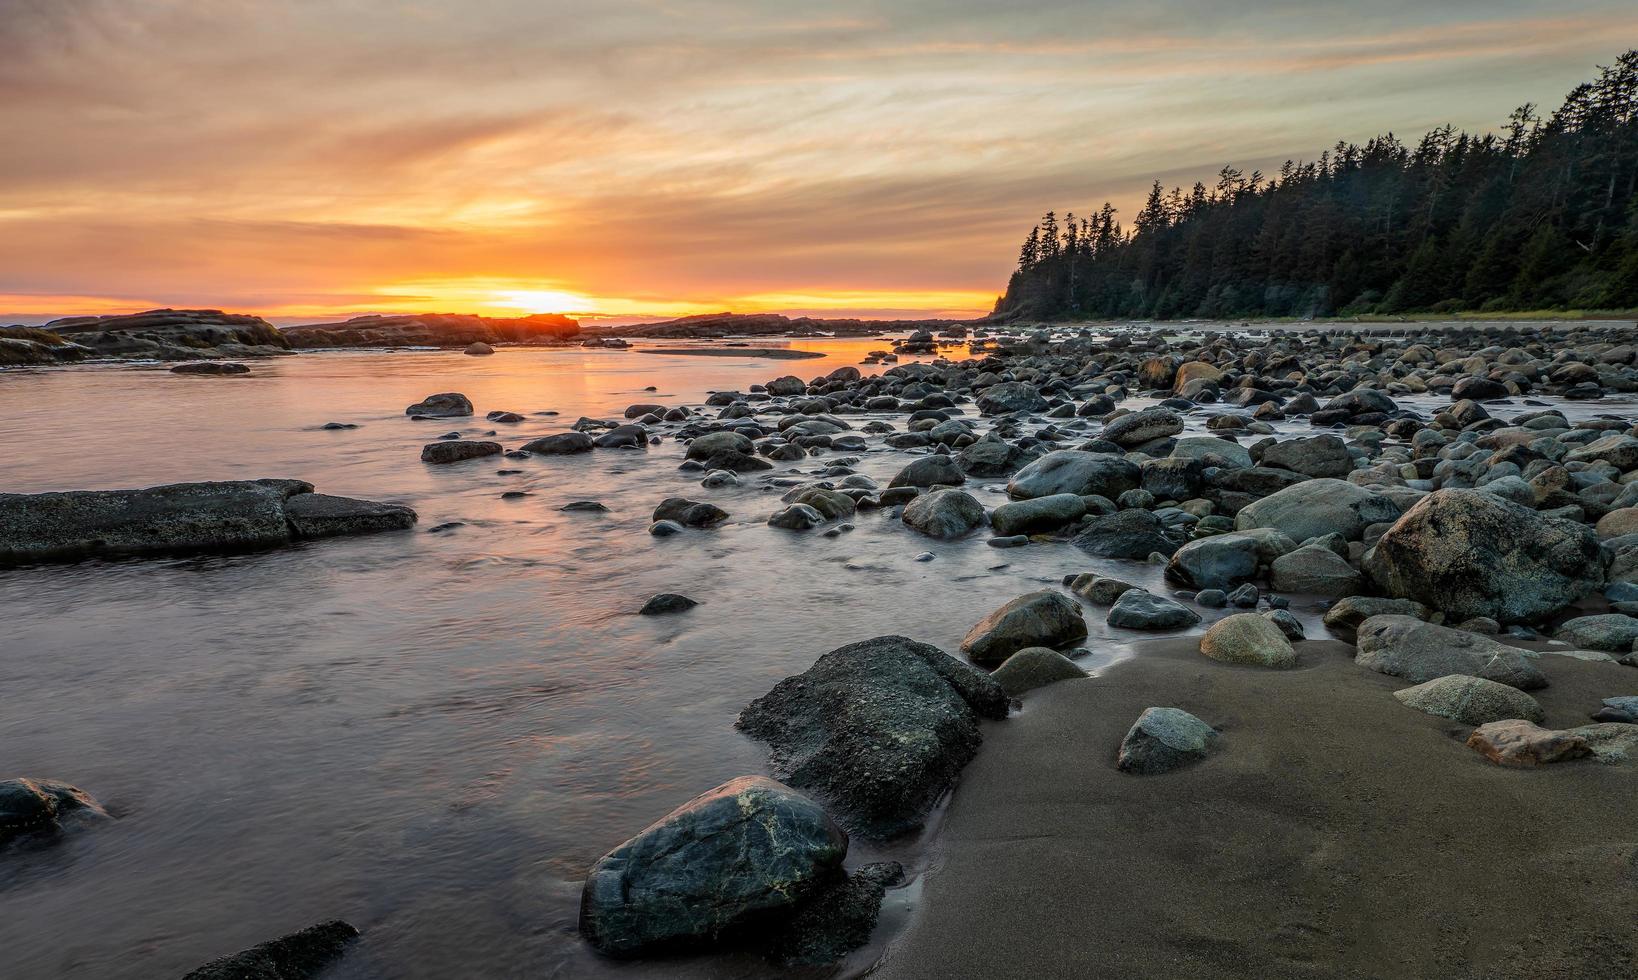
(1542, 215)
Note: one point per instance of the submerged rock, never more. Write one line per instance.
(878, 729)
(218, 368)
(1164, 739)
(180, 518)
(299, 956)
(1036, 619)
(719, 863)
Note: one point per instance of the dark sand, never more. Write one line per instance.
(776, 353)
(1335, 833)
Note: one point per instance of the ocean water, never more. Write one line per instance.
(431, 735)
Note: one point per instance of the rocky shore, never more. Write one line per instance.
(1396, 577)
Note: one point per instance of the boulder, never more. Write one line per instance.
(1008, 397)
(796, 517)
(1222, 561)
(478, 349)
(1405, 647)
(458, 450)
(1316, 456)
(666, 603)
(1164, 739)
(1315, 570)
(560, 444)
(716, 443)
(1137, 428)
(179, 518)
(689, 513)
(1036, 619)
(1471, 553)
(1247, 638)
(218, 368)
(930, 471)
(1353, 610)
(1315, 508)
(298, 956)
(715, 866)
(944, 514)
(878, 729)
(1075, 471)
(1611, 632)
(1137, 609)
(1037, 514)
(1034, 667)
(1523, 744)
(1470, 700)
(1129, 534)
(836, 921)
(1211, 450)
(445, 405)
(991, 456)
(35, 806)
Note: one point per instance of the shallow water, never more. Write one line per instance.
(431, 735)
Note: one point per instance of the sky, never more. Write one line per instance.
(308, 159)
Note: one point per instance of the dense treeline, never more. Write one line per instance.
(1543, 215)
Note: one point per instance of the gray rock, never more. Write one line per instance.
(1213, 450)
(1470, 553)
(944, 514)
(1315, 508)
(796, 517)
(218, 368)
(1164, 739)
(1622, 709)
(1247, 638)
(1077, 472)
(1316, 570)
(1034, 667)
(1128, 534)
(1037, 514)
(1140, 610)
(37, 806)
(991, 456)
(665, 603)
(689, 513)
(1290, 625)
(836, 921)
(1315, 456)
(879, 729)
(1470, 700)
(458, 450)
(1036, 619)
(1008, 397)
(560, 444)
(298, 956)
(1144, 426)
(445, 405)
(1405, 647)
(665, 529)
(1352, 611)
(1097, 589)
(318, 515)
(1219, 562)
(929, 471)
(1611, 632)
(711, 868)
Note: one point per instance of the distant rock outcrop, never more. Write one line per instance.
(770, 324)
(434, 330)
(172, 335)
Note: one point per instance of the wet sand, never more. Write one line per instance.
(1334, 833)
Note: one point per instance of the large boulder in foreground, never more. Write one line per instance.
(1078, 472)
(1471, 553)
(720, 863)
(180, 518)
(1036, 619)
(878, 729)
(1315, 508)
(1403, 646)
(298, 956)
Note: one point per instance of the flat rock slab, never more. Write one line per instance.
(1523, 744)
(180, 518)
(298, 956)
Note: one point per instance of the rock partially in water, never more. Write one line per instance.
(1038, 514)
(1316, 570)
(1470, 553)
(35, 806)
(796, 517)
(944, 514)
(689, 513)
(299, 956)
(1077, 472)
(179, 518)
(478, 349)
(458, 451)
(563, 443)
(1315, 508)
(1164, 739)
(1128, 534)
(1470, 700)
(1137, 609)
(1036, 619)
(1009, 397)
(666, 603)
(217, 368)
(444, 405)
(743, 854)
(878, 729)
(1034, 667)
(1405, 647)
(838, 920)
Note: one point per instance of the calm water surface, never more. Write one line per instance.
(430, 735)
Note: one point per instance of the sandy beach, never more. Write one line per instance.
(1335, 833)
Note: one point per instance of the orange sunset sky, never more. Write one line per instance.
(305, 159)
